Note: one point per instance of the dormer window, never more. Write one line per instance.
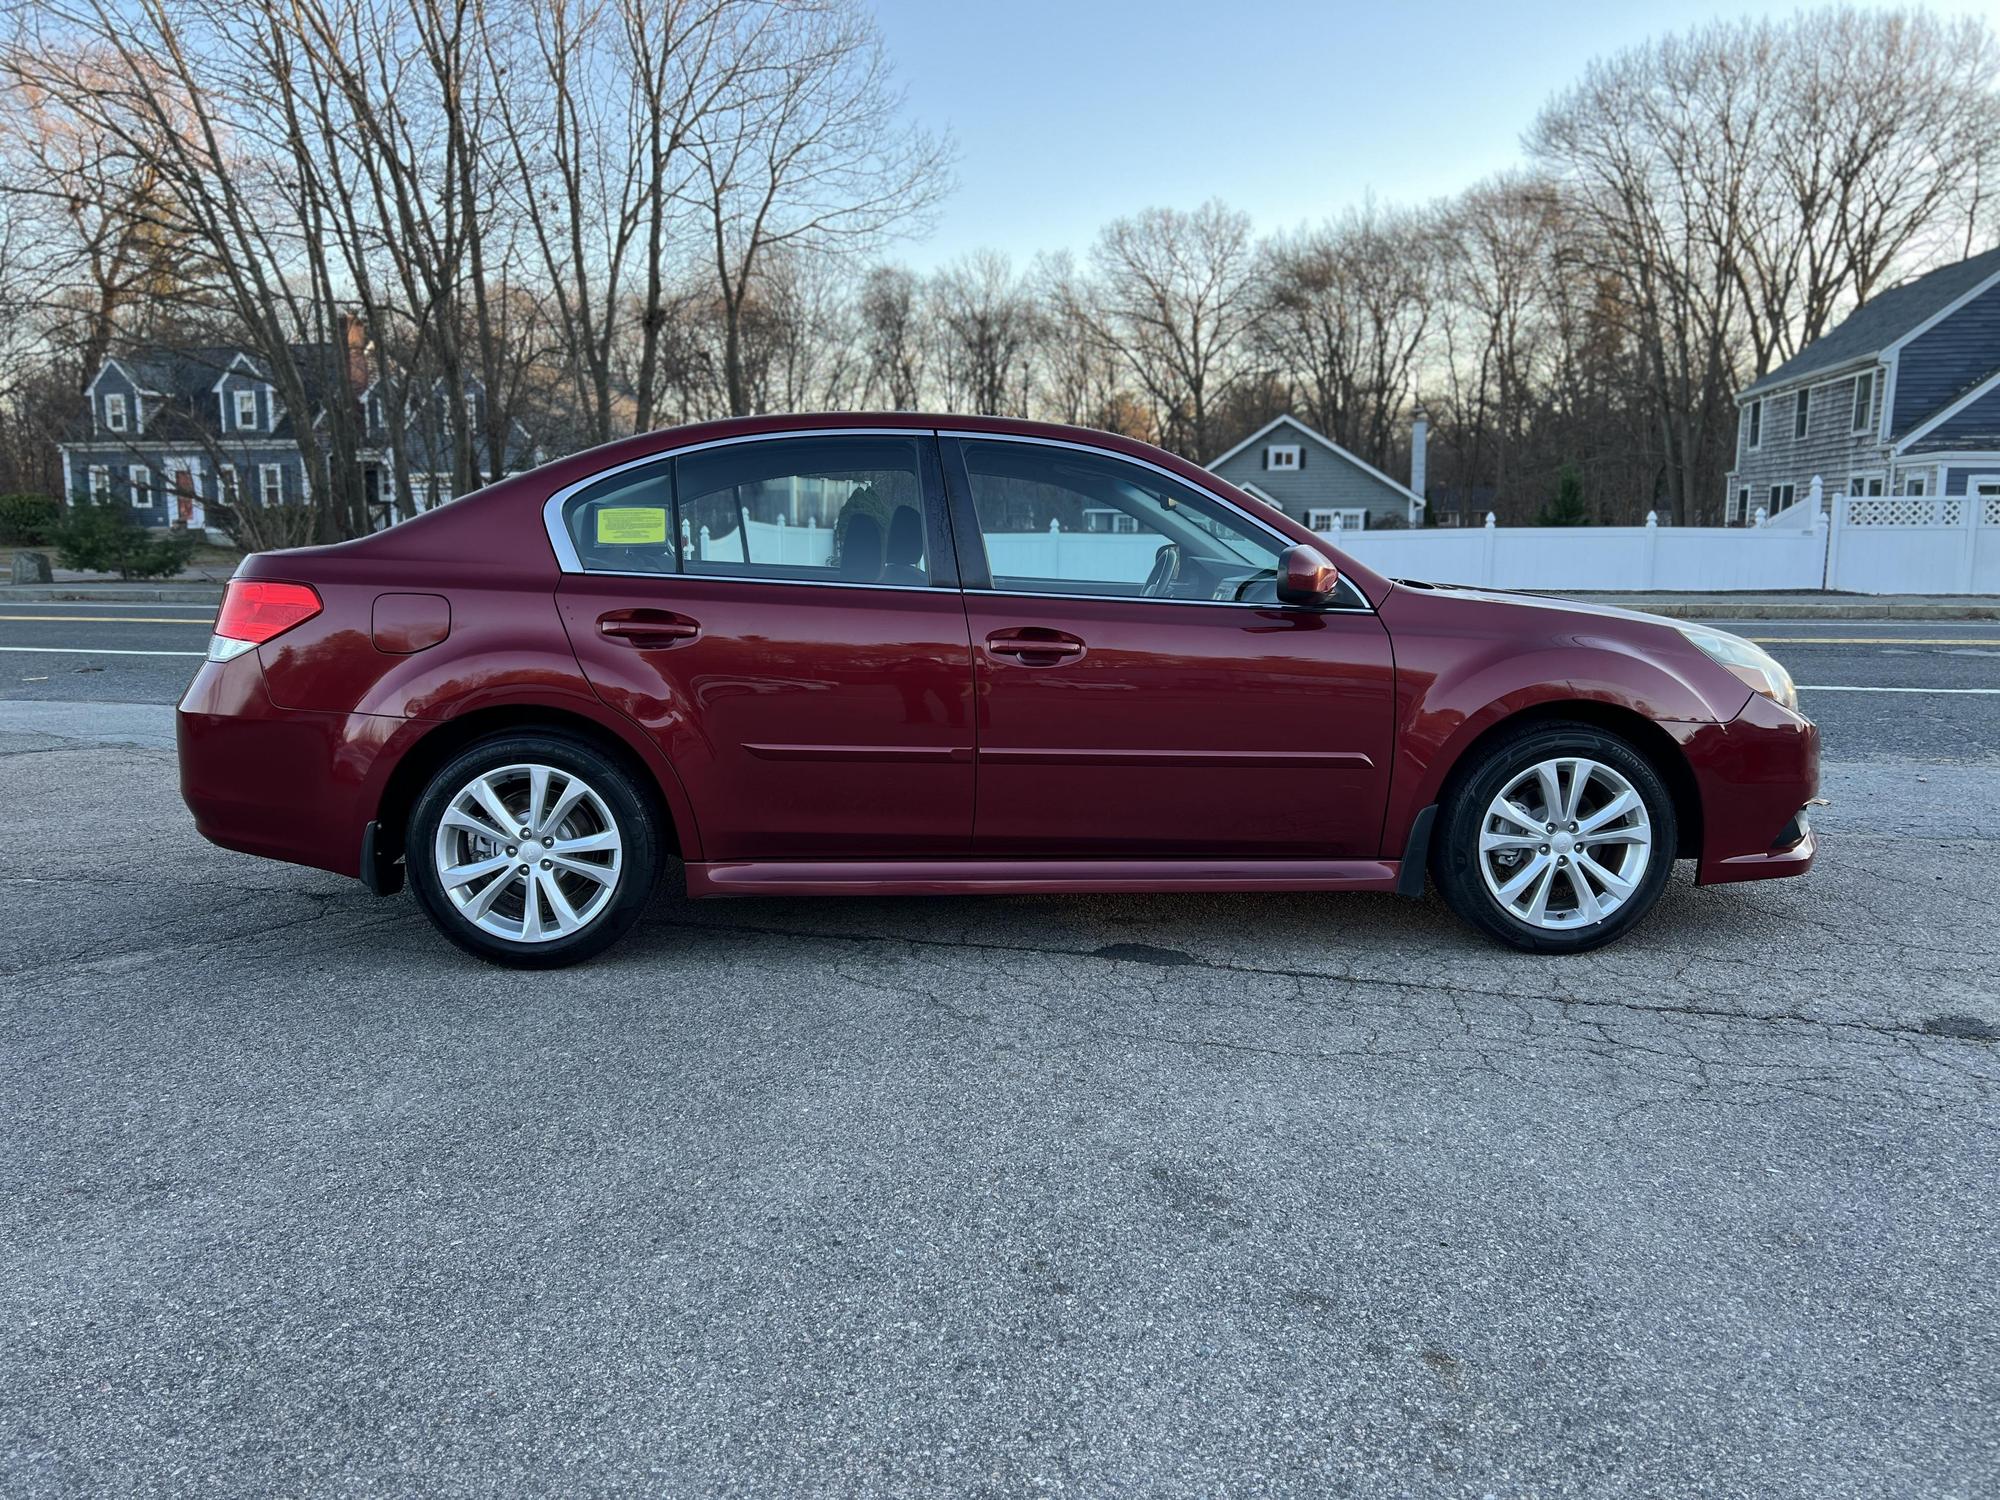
(1282, 456)
(115, 416)
(246, 411)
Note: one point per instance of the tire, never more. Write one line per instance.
(1631, 847)
(610, 829)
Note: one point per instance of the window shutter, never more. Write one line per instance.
(1267, 458)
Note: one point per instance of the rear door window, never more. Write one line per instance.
(813, 510)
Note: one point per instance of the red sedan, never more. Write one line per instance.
(897, 654)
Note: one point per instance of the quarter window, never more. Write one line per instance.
(1035, 506)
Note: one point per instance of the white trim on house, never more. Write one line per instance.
(1945, 414)
(238, 358)
(123, 424)
(1326, 442)
(270, 477)
(1251, 489)
(130, 379)
(138, 481)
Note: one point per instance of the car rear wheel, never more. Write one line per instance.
(532, 851)
(1558, 839)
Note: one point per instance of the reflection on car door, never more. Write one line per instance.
(1111, 722)
(784, 621)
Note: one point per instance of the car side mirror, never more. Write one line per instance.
(1306, 576)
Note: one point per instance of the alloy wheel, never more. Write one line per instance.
(528, 853)
(1565, 843)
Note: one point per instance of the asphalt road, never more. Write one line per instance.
(1173, 1196)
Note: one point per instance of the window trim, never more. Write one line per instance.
(236, 410)
(568, 561)
(1801, 413)
(139, 481)
(1753, 431)
(114, 401)
(264, 472)
(1863, 414)
(1296, 450)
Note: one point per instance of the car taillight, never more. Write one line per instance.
(253, 613)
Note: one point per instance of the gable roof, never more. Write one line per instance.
(1888, 318)
(1327, 443)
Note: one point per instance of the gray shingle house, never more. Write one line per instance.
(1903, 398)
(172, 431)
(1313, 479)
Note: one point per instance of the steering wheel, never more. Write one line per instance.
(1166, 568)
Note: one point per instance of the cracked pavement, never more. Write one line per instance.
(1260, 1195)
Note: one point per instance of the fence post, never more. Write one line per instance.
(1652, 547)
(1970, 510)
(1486, 564)
(1055, 548)
(1760, 516)
(1836, 529)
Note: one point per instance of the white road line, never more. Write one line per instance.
(94, 651)
(1968, 692)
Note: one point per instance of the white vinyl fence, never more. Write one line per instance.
(1863, 544)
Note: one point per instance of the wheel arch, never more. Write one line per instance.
(448, 737)
(1661, 750)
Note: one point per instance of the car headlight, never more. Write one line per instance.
(1758, 668)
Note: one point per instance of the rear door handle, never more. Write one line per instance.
(648, 629)
(1035, 646)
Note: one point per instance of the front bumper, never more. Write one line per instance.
(1755, 776)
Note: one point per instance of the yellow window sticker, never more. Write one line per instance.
(632, 525)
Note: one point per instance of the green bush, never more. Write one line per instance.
(103, 538)
(1568, 508)
(28, 520)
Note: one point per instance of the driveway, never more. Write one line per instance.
(1166, 1195)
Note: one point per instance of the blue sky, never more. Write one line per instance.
(1071, 112)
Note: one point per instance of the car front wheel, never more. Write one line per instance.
(1558, 839)
(532, 851)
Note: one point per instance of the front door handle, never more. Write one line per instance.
(648, 629)
(1035, 646)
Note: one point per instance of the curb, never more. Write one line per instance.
(1713, 610)
(108, 593)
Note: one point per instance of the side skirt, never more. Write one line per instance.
(974, 877)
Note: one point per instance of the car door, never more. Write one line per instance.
(782, 616)
(1139, 688)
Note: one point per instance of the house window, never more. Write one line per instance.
(1743, 503)
(1284, 456)
(1799, 415)
(246, 411)
(1319, 518)
(1916, 484)
(1864, 402)
(271, 484)
(225, 483)
(114, 412)
(100, 482)
(1756, 425)
(471, 410)
(1782, 495)
(1865, 484)
(139, 479)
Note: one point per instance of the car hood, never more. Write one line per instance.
(1534, 601)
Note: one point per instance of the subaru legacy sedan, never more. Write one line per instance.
(851, 655)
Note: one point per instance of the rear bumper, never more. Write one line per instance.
(283, 783)
(1755, 776)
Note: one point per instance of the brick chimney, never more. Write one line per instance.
(353, 337)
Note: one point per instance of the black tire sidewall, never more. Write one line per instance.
(637, 830)
(1455, 853)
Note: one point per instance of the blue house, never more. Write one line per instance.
(1312, 479)
(173, 431)
(1901, 399)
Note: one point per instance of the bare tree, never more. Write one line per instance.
(892, 320)
(987, 319)
(1172, 299)
(806, 151)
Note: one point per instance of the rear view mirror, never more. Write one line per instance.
(1306, 576)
